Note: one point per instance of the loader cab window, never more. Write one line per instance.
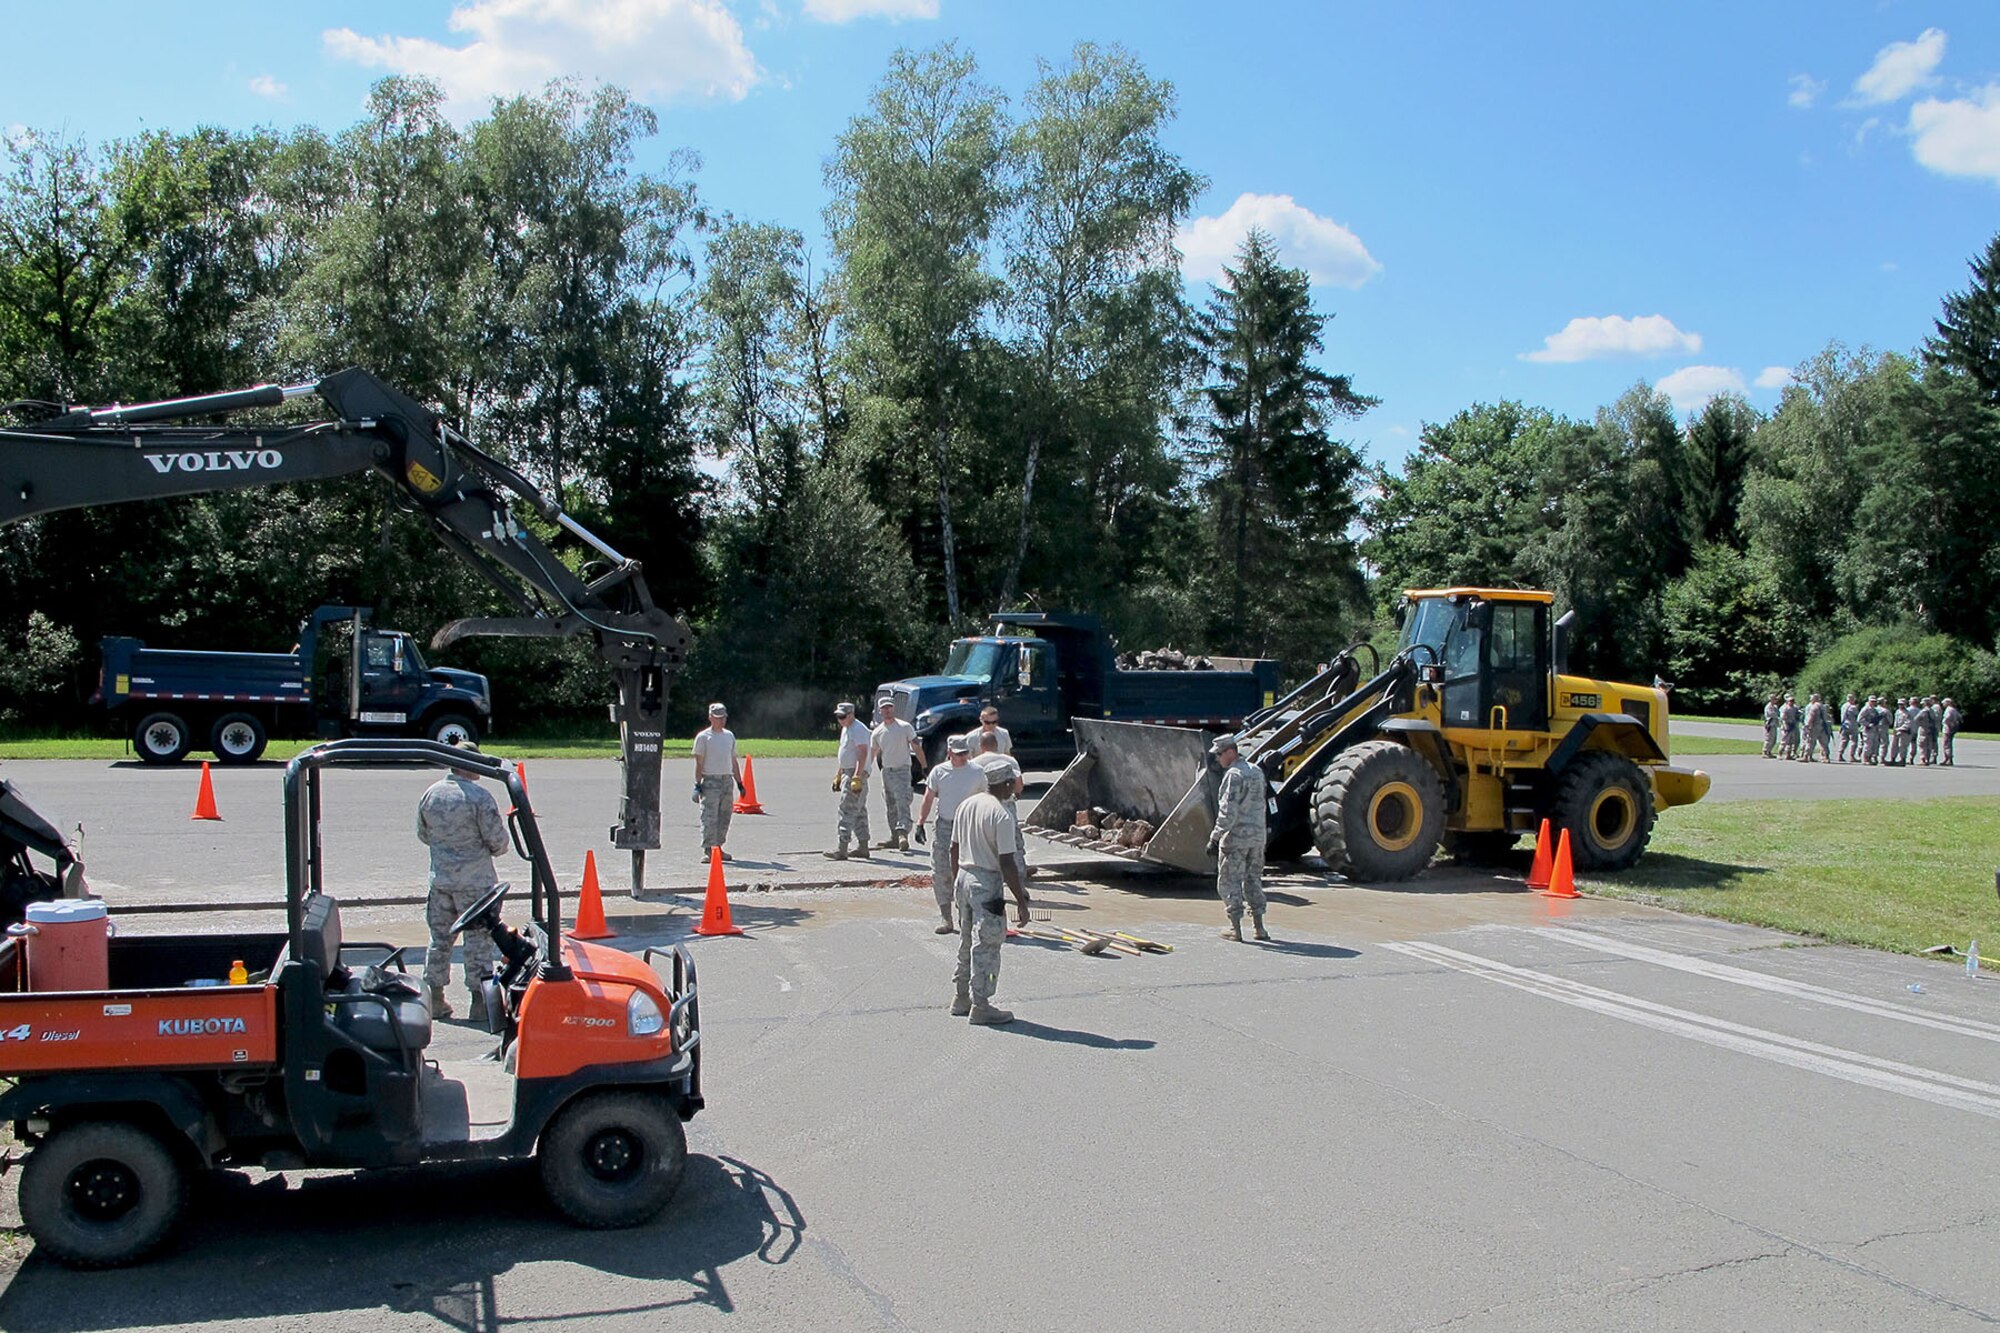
(1428, 622)
(1495, 658)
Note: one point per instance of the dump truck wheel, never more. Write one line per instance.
(162, 738)
(1378, 811)
(1480, 849)
(613, 1159)
(1607, 805)
(237, 738)
(452, 729)
(100, 1194)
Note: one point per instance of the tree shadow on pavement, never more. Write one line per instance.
(339, 1250)
(1023, 1027)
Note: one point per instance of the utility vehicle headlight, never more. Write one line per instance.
(642, 1016)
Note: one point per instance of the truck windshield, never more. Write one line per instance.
(970, 657)
(1429, 621)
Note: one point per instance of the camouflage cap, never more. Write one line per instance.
(1221, 743)
(960, 744)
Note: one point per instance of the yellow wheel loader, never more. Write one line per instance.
(1471, 734)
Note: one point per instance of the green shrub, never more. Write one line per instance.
(1902, 660)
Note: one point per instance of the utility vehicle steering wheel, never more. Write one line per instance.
(488, 906)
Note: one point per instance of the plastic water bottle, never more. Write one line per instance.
(1972, 959)
(238, 976)
(1916, 988)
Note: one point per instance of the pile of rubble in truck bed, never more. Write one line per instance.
(1099, 827)
(1163, 659)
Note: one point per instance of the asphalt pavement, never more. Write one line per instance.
(1447, 1104)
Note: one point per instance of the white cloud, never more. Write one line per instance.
(1595, 337)
(1329, 253)
(846, 11)
(1901, 68)
(1805, 90)
(1692, 386)
(1960, 137)
(266, 86)
(660, 50)
(1773, 377)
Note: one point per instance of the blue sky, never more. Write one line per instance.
(1547, 202)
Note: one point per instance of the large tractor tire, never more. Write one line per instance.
(1378, 812)
(1606, 803)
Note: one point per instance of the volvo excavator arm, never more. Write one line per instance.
(105, 455)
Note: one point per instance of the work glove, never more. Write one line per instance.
(855, 783)
(922, 837)
(697, 793)
(836, 783)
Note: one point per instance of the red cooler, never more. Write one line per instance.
(68, 945)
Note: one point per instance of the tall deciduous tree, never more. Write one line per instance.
(1279, 489)
(64, 261)
(916, 194)
(1099, 199)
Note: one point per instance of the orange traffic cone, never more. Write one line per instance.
(590, 922)
(746, 804)
(1545, 859)
(715, 907)
(1562, 882)
(204, 801)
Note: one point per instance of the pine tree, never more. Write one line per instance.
(1279, 490)
(1717, 457)
(1968, 332)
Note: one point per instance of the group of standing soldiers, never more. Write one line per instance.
(1919, 731)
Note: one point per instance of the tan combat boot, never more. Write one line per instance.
(1233, 931)
(440, 1008)
(1260, 932)
(986, 1014)
(961, 1003)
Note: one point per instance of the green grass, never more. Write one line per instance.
(1694, 745)
(111, 750)
(1895, 875)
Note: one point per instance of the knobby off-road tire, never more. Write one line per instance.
(613, 1159)
(1378, 811)
(1606, 803)
(101, 1193)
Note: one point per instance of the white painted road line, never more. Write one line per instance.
(1834, 1062)
(1802, 990)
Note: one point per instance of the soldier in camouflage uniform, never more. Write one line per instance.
(1819, 731)
(460, 822)
(1238, 840)
(1874, 722)
(850, 779)
(1949, 721)
(1903, 728)
(1788, 730)
(982, 862)
(950, 785)
(718, 776)
(895, 748)
(1771, 727)
(1850, 731)
(1925, 723)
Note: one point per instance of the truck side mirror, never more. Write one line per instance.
(1479, 615)
(396, 654)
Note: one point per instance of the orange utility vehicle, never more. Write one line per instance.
(317, 1055)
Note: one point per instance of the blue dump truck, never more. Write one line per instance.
(1040, 669)
(170, 700)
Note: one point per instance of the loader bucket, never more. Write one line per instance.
(1159, 774)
